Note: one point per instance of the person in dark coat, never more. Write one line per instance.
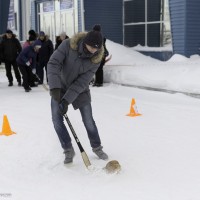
(99, 73)
(33, 34)
(28, 42)
(70, 69)
(60, 38)
(27, 62)
(10, 49)
(44, 54)
(31, 39)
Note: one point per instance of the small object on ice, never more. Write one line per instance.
(112, 167)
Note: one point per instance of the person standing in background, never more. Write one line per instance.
(10, 49)
(31, 39)
(44, 54)
(33, 34)
(99, 73)
(60, 38)
(27, 62)
(28, 42)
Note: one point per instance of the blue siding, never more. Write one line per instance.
(4, 10)
(193, 27)
(178, 26)
(108, 13)
(185, 26)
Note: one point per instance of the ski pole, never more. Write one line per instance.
(83, 153)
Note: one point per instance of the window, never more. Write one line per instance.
(146, 22)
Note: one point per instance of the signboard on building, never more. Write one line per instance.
(66, 4)
(48, 6)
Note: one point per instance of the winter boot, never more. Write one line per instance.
(97, 85)
(69, 154)
(10, 84)
(99, 152)
(27, 89)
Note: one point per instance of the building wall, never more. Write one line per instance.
(109, 14)
(184, 14)
(185, 26)
(4, 10)
(178, 26)
(192, 27)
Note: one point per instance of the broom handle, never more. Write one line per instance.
(83, 153)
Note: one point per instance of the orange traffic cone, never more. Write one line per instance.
(6, 130)
(133, 109)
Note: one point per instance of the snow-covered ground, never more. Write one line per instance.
(159, 151)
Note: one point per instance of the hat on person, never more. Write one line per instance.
(32, 32)
(41, 33)
(63, 34)
(31, 38)
(9, 31)
(37, 44)
(94, 37)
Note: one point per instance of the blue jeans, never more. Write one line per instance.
(62, 132)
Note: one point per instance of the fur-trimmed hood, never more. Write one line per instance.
(74, 41)
(5, 37)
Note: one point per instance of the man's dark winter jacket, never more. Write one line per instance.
(71, 71)
(10, 48)
(45, 51)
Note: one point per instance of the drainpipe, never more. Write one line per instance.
(82, 16)
(20, 19)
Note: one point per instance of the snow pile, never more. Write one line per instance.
(129, 67)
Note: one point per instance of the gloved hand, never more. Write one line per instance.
(63, 106)
(55, 93)
(28, 63)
